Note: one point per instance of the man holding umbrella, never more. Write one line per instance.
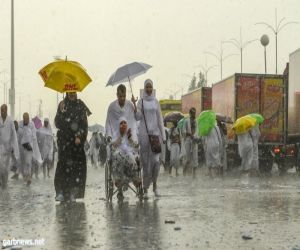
(121, 108)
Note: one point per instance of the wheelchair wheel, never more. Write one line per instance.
(109, 187)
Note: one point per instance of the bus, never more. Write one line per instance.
(168, 105)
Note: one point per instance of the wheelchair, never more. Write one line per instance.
(110, 187)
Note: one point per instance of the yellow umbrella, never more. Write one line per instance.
(65, 76)
(244, 124)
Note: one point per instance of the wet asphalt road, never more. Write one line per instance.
(208, 214)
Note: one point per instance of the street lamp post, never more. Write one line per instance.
(276, 29)
(264, 42)
(220, 57)
(240, 45)
(12, 64)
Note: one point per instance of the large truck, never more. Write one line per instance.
(200, 98)
(242, 94)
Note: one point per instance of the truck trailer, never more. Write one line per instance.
(242, 94)
(199, 98)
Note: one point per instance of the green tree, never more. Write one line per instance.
(201, 81)
(193, 83)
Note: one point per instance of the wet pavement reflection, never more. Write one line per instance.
(234, 212)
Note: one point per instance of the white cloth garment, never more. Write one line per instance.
(8, 144)
(8, 136)
(27, 134)
(255, 134)
(115, 112)
(191, 152)
(4, 166)
(191, 146)
(45, 142)
(126, 146)
(94, 148)
(187, 128)
(26, 163)
(223, 149)
(212, 144)
(150, 161)
(175, 155)
(245, 145)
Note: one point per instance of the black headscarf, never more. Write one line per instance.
(76, 105)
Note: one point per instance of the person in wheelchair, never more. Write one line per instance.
(124, 159)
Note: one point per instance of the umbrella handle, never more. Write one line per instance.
(130, 85)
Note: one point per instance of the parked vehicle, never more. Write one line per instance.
(199, 98)
(242, 94)
(169, 105)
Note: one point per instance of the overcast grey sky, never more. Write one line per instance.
(171, 35)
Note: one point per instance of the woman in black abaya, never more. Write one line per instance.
(71, 122)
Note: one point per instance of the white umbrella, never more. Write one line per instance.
(127, 73)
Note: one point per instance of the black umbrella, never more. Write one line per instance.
(173, 117)
(223, 118)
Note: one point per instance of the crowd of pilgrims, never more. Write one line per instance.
(26, 150)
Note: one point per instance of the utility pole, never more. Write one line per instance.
(12, 64)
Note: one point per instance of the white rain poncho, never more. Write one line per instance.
(245, 145)
(223, 133)
(27, 135)
(94, 148)
(255, 134)
(150, 161)
(212, 144)
(8, 136)
(45, 141)
(115, 112)
(8, 144)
